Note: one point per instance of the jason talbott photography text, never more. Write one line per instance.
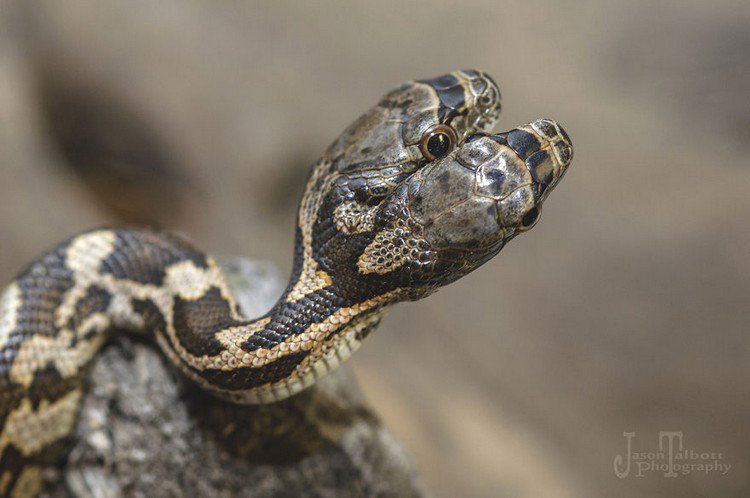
(671, 460)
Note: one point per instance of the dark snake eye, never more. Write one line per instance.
(437, 142)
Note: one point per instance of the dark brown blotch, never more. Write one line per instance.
(523, 143)
(540, 166)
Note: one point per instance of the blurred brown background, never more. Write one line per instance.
(625, 310)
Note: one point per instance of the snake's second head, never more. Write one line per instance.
(413, 124)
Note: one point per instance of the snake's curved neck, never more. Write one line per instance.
(163, 285)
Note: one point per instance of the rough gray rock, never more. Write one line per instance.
(145, 431)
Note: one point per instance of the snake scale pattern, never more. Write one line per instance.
(413, 195)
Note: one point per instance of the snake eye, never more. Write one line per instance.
(529, 219)
(437, 142)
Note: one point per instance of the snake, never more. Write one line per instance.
(414, 194)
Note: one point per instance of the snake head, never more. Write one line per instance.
(457, 212)
(411, 125)
(472, 203)
(416, 193)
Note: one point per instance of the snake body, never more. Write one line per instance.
(413, 195)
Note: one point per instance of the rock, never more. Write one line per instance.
(146, 431)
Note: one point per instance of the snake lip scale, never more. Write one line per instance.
(414, 194)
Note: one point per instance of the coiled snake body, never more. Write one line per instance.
(412, 196)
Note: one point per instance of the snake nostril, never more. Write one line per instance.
(529, 219)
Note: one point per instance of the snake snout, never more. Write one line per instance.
(544, 147)
(557, 139)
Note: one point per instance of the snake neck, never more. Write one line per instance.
(167, 288)
(150, 282)
(306, 335)
(279, 354)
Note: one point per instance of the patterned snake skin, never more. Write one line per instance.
(413, 195)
